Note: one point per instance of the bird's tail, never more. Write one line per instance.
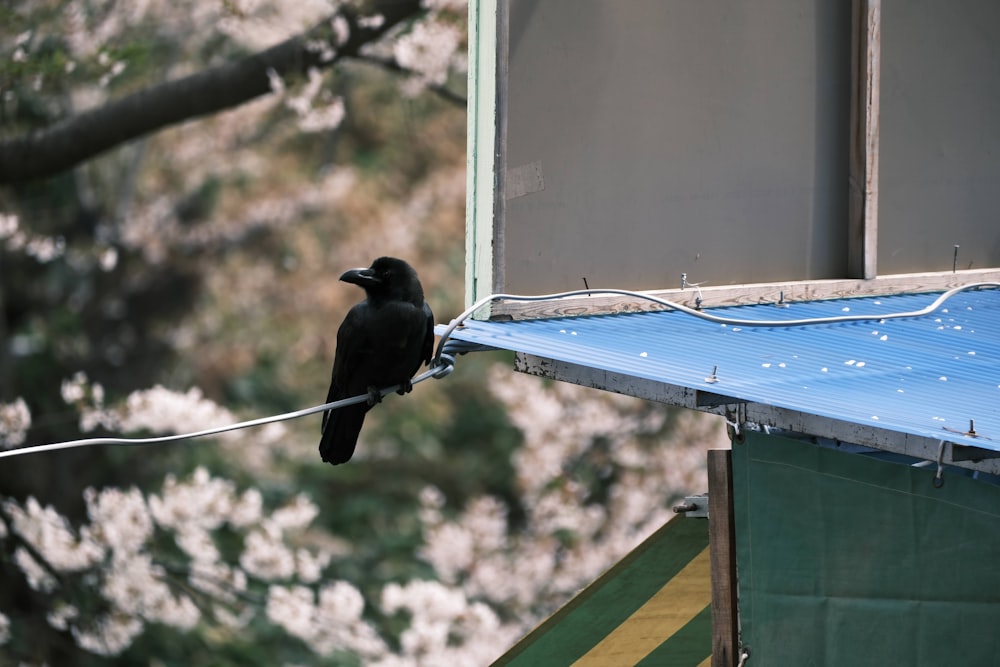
(340, 433)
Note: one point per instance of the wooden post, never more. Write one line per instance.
(862, 244)
(722, 553)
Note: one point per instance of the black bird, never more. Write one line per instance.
(382, 342)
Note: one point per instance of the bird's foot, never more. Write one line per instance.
(374, 396)
(405, 387)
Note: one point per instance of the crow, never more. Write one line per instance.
(382, 342)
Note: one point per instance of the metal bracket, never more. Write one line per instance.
(693, 507)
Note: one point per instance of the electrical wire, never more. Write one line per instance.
(443, 368)
(443, 362)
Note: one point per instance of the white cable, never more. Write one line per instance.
(718, 319)
(87, 442)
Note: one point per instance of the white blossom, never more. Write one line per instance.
(109, 635)
(247, 509)
(338, 623)
(445, 627)
(74, 389)
(455, 5)
(291, 608)
(42, 248)
(108, 259)
(427, 50)
(204, 501)
(320, 118)
(373, 22)
(341, 30)
(135, 586)
(316, 108)
(309, 566)
(9, 225)
(50, 534)
(34, 573)
(218, 580)
(60, 616)
(120, 519)
(266, 556)
(297, 514)
(163, 410)
(276, 82)
(15, 420)
(198, 544)
(334, 622)
(258, 24)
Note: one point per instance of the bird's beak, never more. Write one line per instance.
(360, 277)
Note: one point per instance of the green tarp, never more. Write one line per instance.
(847, 560)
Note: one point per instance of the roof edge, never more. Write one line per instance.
(746, 295)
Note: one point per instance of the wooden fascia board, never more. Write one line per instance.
(743, 295)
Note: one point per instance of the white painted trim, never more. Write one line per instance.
(481, 154)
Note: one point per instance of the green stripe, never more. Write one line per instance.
(688, 647)
(612, 598)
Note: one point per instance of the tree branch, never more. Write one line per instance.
(392, 65)
(69, 142)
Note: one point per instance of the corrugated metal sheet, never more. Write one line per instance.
(926, 376)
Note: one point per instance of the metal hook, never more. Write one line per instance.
(938, 480)
(735, 434)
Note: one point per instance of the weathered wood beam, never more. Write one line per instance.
(722, 554)
(862, 245)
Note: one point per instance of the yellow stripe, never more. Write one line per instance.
(707, 662)
(671, 608)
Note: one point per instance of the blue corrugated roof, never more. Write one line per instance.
(926, 376)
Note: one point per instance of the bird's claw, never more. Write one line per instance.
(405, 387)
(374, 396)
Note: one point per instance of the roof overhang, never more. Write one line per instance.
(926, 387)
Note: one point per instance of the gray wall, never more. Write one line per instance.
(673, 136)
(940, 135)
(649, 138)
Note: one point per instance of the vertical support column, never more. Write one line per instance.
(862, 244)
(722, 553)
(481, 159)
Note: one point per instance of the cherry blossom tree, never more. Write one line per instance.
(595, 475)
(174, 178)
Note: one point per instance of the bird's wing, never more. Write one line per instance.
(352, 338)
(428, 348)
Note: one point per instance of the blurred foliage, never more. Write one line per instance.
(207, 256)
(228, 292)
